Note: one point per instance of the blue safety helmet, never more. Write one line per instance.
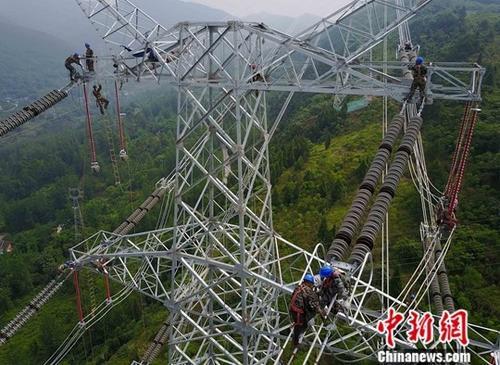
(76, 55)
(309, 278)
(326, 271)
(419, 60)
(87, 45)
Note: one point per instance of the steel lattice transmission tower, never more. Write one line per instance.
(221, 270)
(223, 213)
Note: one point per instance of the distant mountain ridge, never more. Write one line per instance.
(31, 61)
(36, 37)
(65, 19)
(286, 24)
(50, 30)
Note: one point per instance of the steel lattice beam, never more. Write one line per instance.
(327, 58)
(205, 309)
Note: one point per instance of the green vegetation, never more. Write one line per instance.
(28, 59)
(317, 161)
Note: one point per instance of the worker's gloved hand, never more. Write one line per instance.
(344, 304)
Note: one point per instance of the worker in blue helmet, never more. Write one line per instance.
(332, 286)
(303, 307)
(89, 58)
(419, 72)
(68, 63)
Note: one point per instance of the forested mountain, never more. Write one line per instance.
(31, 61)
(317, 159)
(36, 37)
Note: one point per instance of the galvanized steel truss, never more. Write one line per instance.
(222, 270)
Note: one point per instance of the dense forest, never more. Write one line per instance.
(41, 162)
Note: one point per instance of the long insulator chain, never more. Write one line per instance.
(444, 283)
(463, 158)
(376, 217)
(47, 292)
(31, 111)
(132, 221)
(435, 290)
(154, 348)
(31, 309)
(453, 187)
(338, 249)
(456, 152)
(121, 129)
(94, 165)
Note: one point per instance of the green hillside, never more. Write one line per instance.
(31, 62)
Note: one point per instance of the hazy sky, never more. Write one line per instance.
(283, 7)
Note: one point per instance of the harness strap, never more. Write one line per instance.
(293, 306)
(299, 312)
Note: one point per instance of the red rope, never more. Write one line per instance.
(90, 132)
(78, 296)
(106, 285)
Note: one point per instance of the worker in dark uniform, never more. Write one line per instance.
(257, 76)
(331, 286)
(303, 307)
(152, 55)
(31, 109)
(89, 58)
(446, 219)
(68, 63)
(419, 78)
(101, 101)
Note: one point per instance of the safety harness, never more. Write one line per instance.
(296, 309)
(419, 72)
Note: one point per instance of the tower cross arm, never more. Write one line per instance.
(359, 26)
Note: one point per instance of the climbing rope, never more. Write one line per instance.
(94, 165)
(111, 147)
(121, 129)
